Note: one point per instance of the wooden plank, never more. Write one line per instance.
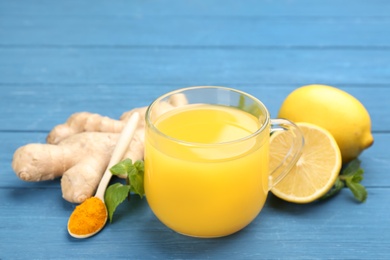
(193, 66)
(107, 56)
(336, 229)
(178, 31)
(39, 107)
(374, 160)
(249, 8)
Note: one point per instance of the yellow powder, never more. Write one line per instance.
(88, 217)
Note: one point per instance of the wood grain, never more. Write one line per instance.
(61, 57)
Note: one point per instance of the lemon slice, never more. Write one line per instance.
(316, 170)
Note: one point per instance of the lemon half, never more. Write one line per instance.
(315, 172)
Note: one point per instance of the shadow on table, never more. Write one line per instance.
(286, 207)
(169, 244)
(163, 243)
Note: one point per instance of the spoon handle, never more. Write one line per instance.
(120, 148)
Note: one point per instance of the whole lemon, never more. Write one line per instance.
(335, 110)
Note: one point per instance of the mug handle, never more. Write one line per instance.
(293, 154)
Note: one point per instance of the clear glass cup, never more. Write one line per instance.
(207, 159)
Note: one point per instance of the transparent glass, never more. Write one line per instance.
(207, 159)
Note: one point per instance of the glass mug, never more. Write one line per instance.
(207, 159)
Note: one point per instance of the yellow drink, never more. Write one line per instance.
(205, 182)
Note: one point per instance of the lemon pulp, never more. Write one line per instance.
(315, 172)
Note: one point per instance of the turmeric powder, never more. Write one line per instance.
(88, 217)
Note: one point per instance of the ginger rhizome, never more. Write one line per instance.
(79, 159)
(79, 150)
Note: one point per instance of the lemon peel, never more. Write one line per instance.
(337, 111)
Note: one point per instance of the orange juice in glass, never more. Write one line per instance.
(206, 160)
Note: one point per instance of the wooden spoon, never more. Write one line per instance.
(120, 148)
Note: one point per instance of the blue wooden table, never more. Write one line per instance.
(106, 57)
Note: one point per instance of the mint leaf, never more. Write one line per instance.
(351, 176)
(351, 168)
(115, 195)
(358, 176)
(252, 109)
(136, 178)
(122, 168)
(337, 187)
(358, 191)
(241, 102)
(133, 172)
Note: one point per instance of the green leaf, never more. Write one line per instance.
(122, 168)
(140, 165)
(351, 168)
(358, 190)
(115, 195)
(241, 102)
(337, 187)
(358, 176)
(136, 178)
(252, 109)
(351, 176)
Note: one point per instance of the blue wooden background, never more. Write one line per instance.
(61, 57)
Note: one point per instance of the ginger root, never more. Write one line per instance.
(80, 160)
(83, 122)
(79, 151)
